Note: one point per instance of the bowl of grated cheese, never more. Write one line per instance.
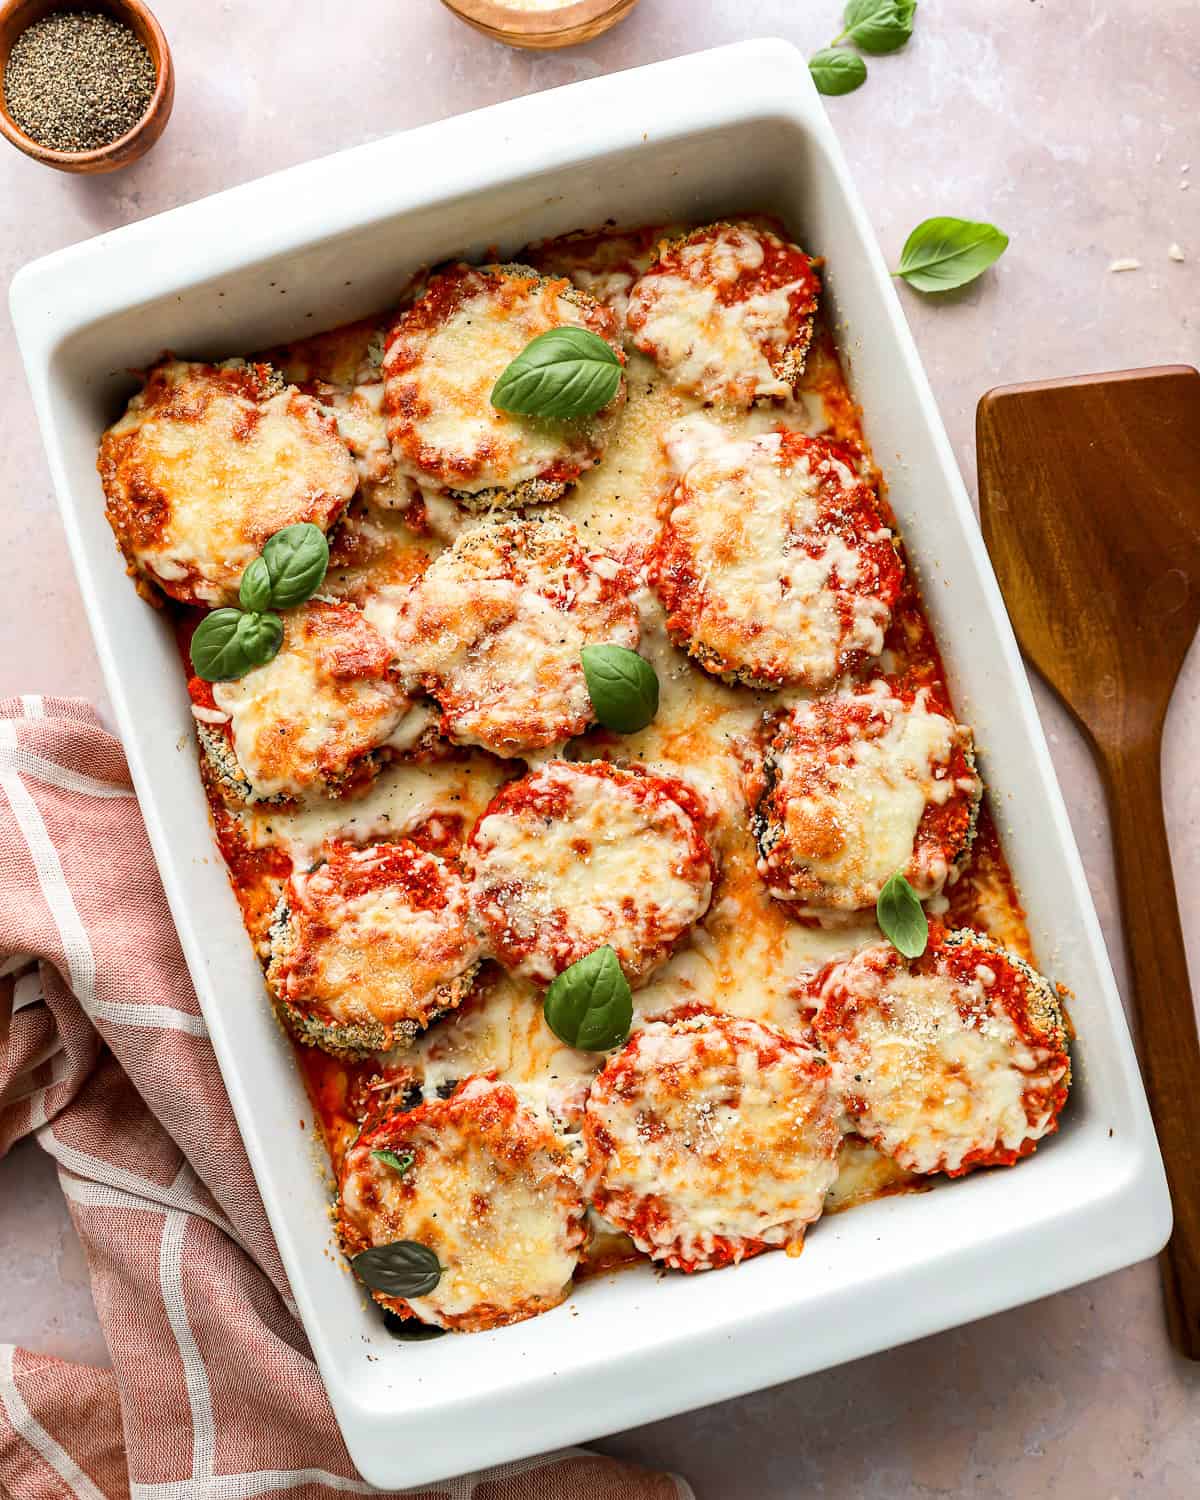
(541, 24)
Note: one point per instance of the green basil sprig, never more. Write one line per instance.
(837, 72)
(590, 1005)
(902, 917)
(229, 642)
(878, 26)
(943, 253)
(255, 591)
(404, 1268)
(565, 372)
(296, 560)
(399, 1164)
(622, 685)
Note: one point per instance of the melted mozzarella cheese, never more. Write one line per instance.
(614, 866)
(382, 958)
(359, 417)
(227, 471)
(615, 504)
(926, 1083)
(495, 627)
(693, 1137)
(715, 348)
(747, 954)
(864, 1173)
(605, 266)
(444, 430)
(492, 1193)
(609, 287)
(502, 1029)
(746, 959)
(299, 720)
(851, 811)
(403, 798)
(771, 576)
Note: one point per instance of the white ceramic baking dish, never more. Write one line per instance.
(738, 128)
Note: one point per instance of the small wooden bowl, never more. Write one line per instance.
(17, 15)
(562, 26)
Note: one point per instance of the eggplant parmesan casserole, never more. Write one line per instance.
(566, 799)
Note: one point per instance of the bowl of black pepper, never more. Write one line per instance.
(85, 85)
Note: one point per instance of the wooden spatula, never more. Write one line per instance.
(1090, 498)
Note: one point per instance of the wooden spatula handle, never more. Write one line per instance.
(1170, 1053)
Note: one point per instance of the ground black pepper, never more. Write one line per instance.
(76, 80)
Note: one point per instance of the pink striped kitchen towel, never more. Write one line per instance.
(104, 1056)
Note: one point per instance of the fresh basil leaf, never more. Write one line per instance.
(878, 26)
(943, 253)
(902, 917)
(623, 687)
(404, 1268)
(400, 1164)
(260, 636)
(255, 592)
(565, 372)
(215, 655)
(837, 72)
(410, 1330)
(296, 559)
(589, 1005)
(228, 643)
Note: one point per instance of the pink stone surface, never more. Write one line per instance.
(1072, 123)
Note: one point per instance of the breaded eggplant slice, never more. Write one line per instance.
(577, 855)
(313, 718)
(861, 785)
(371, 946)
(955, 1060)
(726, 312)
(207, 463)
(774, 563)
(493, 630)
(486, 1185)
(442, 359)
(711, 1139)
